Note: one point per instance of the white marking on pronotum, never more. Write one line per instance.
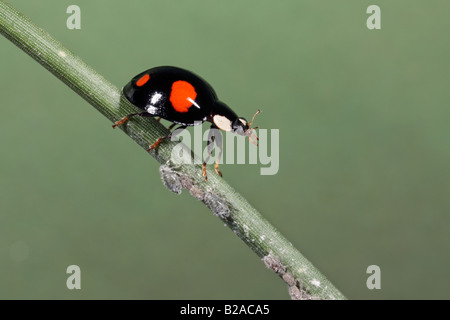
(193, 102)
(315, 282)
(62, 54)
(222, 122)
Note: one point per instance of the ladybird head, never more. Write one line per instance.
(240, 126)
(225, 119)
(245, 129)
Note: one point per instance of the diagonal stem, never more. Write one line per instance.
(303, 279)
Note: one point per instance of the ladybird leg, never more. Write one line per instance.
(216, 167)
(176, 131)
(219, 143)
(171, 127)
(128, 117)
(210, 146)
(172, 133)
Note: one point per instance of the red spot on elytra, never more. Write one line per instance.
(182, 95)
(143, 80)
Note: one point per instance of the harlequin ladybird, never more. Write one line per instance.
(183, 98)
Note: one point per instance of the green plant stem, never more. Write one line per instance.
(246, 222)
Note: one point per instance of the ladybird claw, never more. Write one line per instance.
(216, 167)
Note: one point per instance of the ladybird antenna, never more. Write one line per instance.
(250, 132)
(253, 118)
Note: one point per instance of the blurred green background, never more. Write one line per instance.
(364, 151)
